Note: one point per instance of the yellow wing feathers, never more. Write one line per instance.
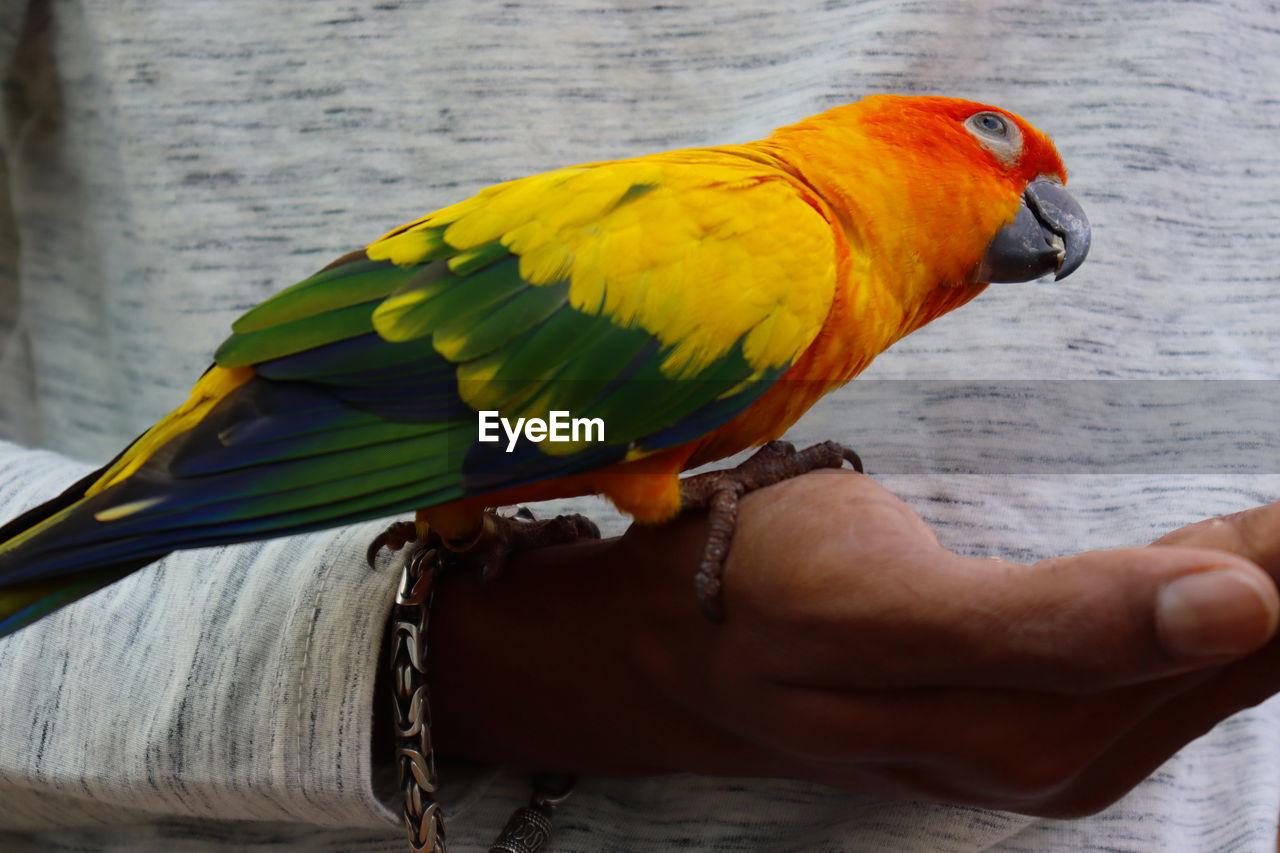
(216, 383)
(699, 248)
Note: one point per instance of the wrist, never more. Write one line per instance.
(544, 668)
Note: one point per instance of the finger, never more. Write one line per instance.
(1168, 729)
(1105, 618)
(1078, 624)
(1253, 534)
(993, 748)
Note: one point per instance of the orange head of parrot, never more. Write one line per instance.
(942, 190)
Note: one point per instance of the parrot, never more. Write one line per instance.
(694, 302)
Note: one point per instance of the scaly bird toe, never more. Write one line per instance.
(719, 492)
(501, 537)
(395, 537)
(498, 538)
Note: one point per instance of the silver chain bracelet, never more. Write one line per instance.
(414, 752)
(529, 827)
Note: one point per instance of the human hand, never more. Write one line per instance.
(860, 653)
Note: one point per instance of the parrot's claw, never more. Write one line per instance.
(498, 538)
(395, 537)
(718, 492)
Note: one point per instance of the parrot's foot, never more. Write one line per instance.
(719, 492)
(501, 537)
(498, 538)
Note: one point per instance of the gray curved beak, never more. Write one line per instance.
(1050, 234)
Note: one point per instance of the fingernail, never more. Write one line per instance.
(1221, 612)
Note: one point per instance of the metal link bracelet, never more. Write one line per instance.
(529, 827)
(414, 752)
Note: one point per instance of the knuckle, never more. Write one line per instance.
(1220, 531)
(1256, 534)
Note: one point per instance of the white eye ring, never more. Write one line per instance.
(998, 134)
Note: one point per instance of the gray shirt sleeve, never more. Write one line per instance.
(223, 683)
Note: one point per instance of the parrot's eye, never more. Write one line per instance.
(997, 134)
(990, 124)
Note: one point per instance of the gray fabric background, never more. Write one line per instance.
(167, 165)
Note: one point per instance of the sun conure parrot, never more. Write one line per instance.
(696, 301)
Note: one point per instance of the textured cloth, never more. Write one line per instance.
(170, 164)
